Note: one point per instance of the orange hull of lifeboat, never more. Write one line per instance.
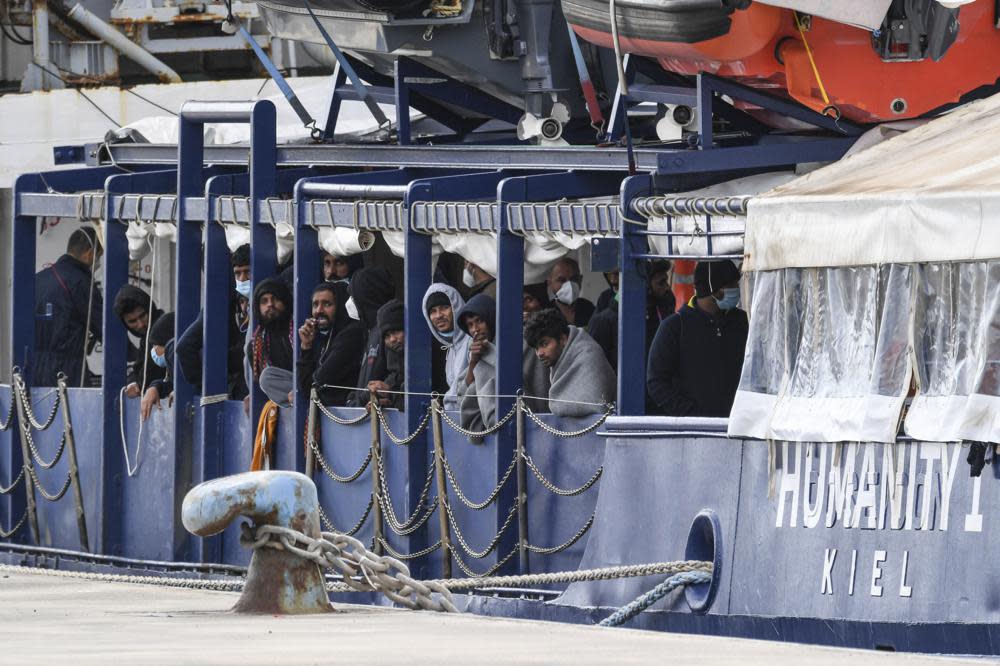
(764, 49)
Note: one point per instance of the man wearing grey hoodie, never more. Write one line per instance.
(441, 304)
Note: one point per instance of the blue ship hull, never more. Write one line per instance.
(856, 555)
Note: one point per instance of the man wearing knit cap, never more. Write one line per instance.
(697, 354)
(269, 352)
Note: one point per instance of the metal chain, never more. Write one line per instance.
(480, 554)
(29, 412)
(408, 556)
(561, 547)
(390, 514)
(189, 583)
(472, 433)
(41, 489)
(478, 506)
(9, 489)
(553, 488)
(9, 533)
(38, 456)
(357, 526)
(569, 433)
(349, 557)
(402, 441)
(337, 477)
(468, 571)
(406, 530)
(5, 426)
(336, 419)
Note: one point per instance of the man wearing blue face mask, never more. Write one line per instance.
(161, 354)
(696, 357)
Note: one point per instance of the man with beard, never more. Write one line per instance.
(534, 297)
(450, 353)
(330, 345)
(136, 310)
(477, 390)
(190, 346)
(659, 305)
(337, 268)
(581, 379)
(270, 347)
(389, 378)
(370, 289)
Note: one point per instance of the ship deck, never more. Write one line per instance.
(48, 618)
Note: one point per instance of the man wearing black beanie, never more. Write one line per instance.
(696, 357)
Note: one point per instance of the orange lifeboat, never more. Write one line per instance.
(863, 74)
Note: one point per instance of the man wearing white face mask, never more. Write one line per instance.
(478, 281)
(696, 357)
(564, 283)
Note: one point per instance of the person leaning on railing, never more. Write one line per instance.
(388, 377)
(161, 353)
(137, 312)
(331, 345)
(580, 377)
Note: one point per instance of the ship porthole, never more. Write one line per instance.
(704, 543)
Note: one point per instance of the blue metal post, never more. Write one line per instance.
(402, 102)
(631, 305)
(115, 345)
(333, 114)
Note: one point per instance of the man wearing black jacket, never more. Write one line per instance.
(330, 345)
(370, 289)
(697, 355)
(388, 377)
(137, 312)
(68, 308)
(270, 348)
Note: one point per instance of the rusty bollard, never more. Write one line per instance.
(278, 582)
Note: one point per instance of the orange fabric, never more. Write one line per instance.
(683, 283)
(267, 430)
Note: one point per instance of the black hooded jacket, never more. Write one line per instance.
(62, 293)
(695, 362)
(335, 356)
(272, 344)
(139, 369)
(370, 289)
(392, 371)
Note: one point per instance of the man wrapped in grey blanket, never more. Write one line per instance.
(477, 387)
(581, 379)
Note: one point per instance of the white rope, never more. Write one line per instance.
(132, 471)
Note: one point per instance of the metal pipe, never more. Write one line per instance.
(311, 433)
(376, 469)
(40, 41)
(442, 490)
(122, 44)
(218, 112)
(686, 205)
(351, 191)
(74, 469)
(522, 494)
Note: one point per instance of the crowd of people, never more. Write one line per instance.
(351, 344)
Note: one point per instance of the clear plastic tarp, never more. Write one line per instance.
(827, 355)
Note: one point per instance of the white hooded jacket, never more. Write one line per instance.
(457, 359)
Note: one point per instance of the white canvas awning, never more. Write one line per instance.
(929, 195)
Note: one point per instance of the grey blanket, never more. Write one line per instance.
(477, 402)
(581, 375)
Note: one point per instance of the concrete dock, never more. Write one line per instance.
(50, 619)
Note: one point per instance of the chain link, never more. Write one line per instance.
(472, 434)
(480, 554)
(563, 546)
(478, 506)
(402, 441)
(28, 411)
(569, 433)
(9, 533)
(408, 556)
(38, 456)
(337, 477)
(14, 484)
(41, 489)
(349, 557)
(336, 419)
(553, 488)
(385, 501)
(357, 526)
(5, 426)
(468, 571)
